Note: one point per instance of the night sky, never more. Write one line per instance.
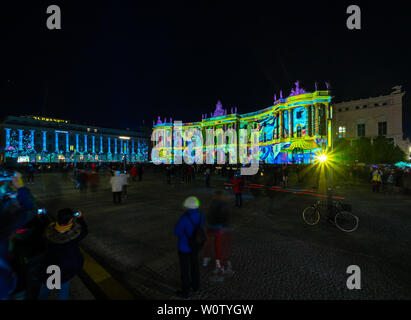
(118, 63)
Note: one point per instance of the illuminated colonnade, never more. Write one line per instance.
(20, 143)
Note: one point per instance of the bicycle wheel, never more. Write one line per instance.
(311, 215)
(346, 221)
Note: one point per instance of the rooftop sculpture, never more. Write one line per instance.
(297, 90)
(219, 111)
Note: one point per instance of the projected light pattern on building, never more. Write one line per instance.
(292, 130)
(36, 142)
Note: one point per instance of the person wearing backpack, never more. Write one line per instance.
(191, 238)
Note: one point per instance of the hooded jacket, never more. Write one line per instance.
(184, 227)
(63, 250)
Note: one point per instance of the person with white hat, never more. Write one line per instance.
(189, 223)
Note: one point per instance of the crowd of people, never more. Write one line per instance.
(31, 242)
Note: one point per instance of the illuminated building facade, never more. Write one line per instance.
(40, 139)
(293, 130)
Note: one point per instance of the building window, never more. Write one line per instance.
(361, 130)
(346, 109)
(382, 128)
(299, 114)
(357, 107)
(339, 110)
(341, 131)
(364, 106)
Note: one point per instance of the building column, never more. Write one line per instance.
(77, 150)
(280, 124)
(57, 142)
(7, 137)
(307, 124)
(127, 143)
(132, 146)
(45, 141)
(67, 143)
(101, 144)
(20, 139)
(313, 115)
(121, 146)
(115, 145)
(109, 146)
(290, 123)
(93, 138)
(85, 143)
(32, 139)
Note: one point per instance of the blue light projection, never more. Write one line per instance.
(7, 138)
(20, 139)
(77, 150)
(94, 149)
(45, 141)
(67, 142)
(21, 143)
(57, 142)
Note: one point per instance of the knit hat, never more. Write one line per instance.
(191, 203)
(64, 216)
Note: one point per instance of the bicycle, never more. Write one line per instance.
(343, 219)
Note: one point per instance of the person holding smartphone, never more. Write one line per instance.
(63, 237)
(15, 212)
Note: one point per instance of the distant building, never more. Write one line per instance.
(42, 139)
(372, 117)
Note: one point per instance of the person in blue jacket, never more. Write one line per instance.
(189, 259)
(13, 216)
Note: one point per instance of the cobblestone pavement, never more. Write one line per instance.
(275, 255)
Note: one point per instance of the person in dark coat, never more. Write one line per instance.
(13, 216)
(218, 216)
(63, 237)
(134, 172)
(189, 259)
(238, 183)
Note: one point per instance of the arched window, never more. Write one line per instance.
(299, 132)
